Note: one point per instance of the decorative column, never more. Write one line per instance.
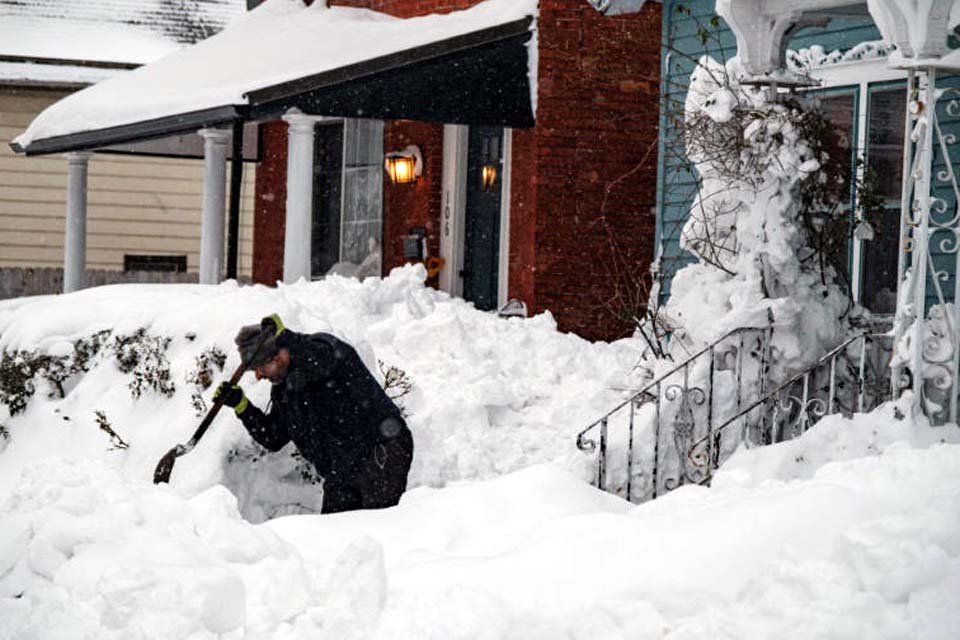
(299, 220)
(214, 200)
(75, 236)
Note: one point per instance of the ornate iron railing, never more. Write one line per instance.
(683, 424)
(653, 430)
(852, 378)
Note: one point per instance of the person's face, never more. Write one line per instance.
(275, 370)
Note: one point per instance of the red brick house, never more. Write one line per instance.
(583, 176)
(534, 126)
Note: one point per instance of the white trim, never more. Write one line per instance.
(504, 250)
(859, 72)
(856, 275)
(343, 187)
(453, 207)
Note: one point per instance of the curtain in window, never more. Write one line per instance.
(361, 222)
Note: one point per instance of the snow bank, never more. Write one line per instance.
(834, 438)
(490, 395)
(864, 548)
(850, 531)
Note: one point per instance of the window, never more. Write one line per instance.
(840, 108)
(173, 264)
(348, 198)
(885, 112)
(869, 115)
(361, 223)
(327, 186)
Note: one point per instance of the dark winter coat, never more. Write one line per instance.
(333, 410)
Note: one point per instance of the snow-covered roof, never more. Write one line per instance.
(110, 31)
(55, 75)
(279, 42)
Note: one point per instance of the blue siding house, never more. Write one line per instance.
(864, 97)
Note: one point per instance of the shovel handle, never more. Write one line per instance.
(165, 467)
(215, 409)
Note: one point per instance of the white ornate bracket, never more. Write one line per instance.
(917, 27)
(759, 27)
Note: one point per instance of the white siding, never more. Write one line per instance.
(137, 205)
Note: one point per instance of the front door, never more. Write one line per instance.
(481, 260)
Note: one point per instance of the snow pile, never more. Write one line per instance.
(489, 395)
(751, 157)
(860, 548)
(87, 553)
(835, 438)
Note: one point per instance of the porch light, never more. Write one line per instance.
(404, 167)
(489, 176)
(489, 162)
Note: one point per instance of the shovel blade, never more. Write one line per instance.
(165, 467)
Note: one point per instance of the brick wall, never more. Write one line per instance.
(413, 205)
(270, 204)
(596, 159)
(582, 218)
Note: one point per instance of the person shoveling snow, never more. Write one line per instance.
(329, 404)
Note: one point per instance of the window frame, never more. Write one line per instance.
(862, 77)
(343, 122)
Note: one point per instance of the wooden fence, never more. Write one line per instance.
(18, 281)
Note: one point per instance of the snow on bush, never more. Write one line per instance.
(488, 396)
(752, 155)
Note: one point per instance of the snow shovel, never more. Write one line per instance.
(165, 466)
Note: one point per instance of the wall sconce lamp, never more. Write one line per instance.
(488, 176)
(490, 162)
(404, 167)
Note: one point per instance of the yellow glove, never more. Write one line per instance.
(232, 396)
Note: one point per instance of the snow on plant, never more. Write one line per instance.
(206, 366)
(144, 358)
(764, 175)
(21, 368)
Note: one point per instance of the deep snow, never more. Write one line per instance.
(852, 531)
(490, 395)
(864, 548)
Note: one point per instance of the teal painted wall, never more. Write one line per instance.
(683, 45)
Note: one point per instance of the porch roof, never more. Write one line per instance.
(471, 66)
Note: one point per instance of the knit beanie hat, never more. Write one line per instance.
(247, 340)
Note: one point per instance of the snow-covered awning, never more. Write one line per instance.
(472, 66)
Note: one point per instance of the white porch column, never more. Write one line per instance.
(75, 236)
(214, 201)
(299, 221)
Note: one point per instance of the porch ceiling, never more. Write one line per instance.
(468, 66)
